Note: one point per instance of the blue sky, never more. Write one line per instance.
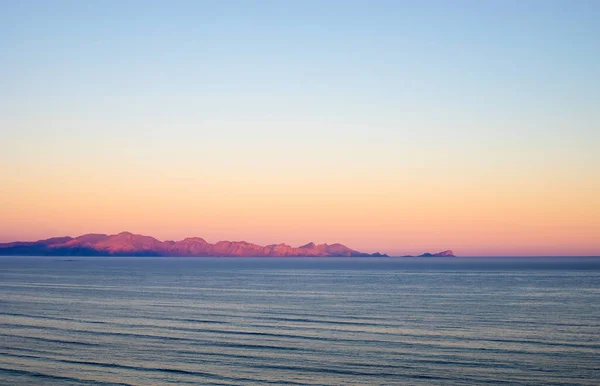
(381, 58)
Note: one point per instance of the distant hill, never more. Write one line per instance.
(447, 253)
(129, 244)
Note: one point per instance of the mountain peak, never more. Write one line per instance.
(194, 240)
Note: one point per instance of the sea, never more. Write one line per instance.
(299, 321)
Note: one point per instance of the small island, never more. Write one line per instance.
(446, 253)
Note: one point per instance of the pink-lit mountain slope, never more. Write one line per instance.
(129, 244)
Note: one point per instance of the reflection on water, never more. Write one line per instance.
(141, 321)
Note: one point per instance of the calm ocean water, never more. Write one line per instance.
(160, 321)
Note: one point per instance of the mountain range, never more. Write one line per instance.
(129, 244)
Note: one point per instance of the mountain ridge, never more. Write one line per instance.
(129, 244)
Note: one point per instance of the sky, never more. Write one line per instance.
(392, 126)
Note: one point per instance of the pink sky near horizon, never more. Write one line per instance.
(448, 204)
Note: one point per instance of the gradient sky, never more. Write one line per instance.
(391, 126)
